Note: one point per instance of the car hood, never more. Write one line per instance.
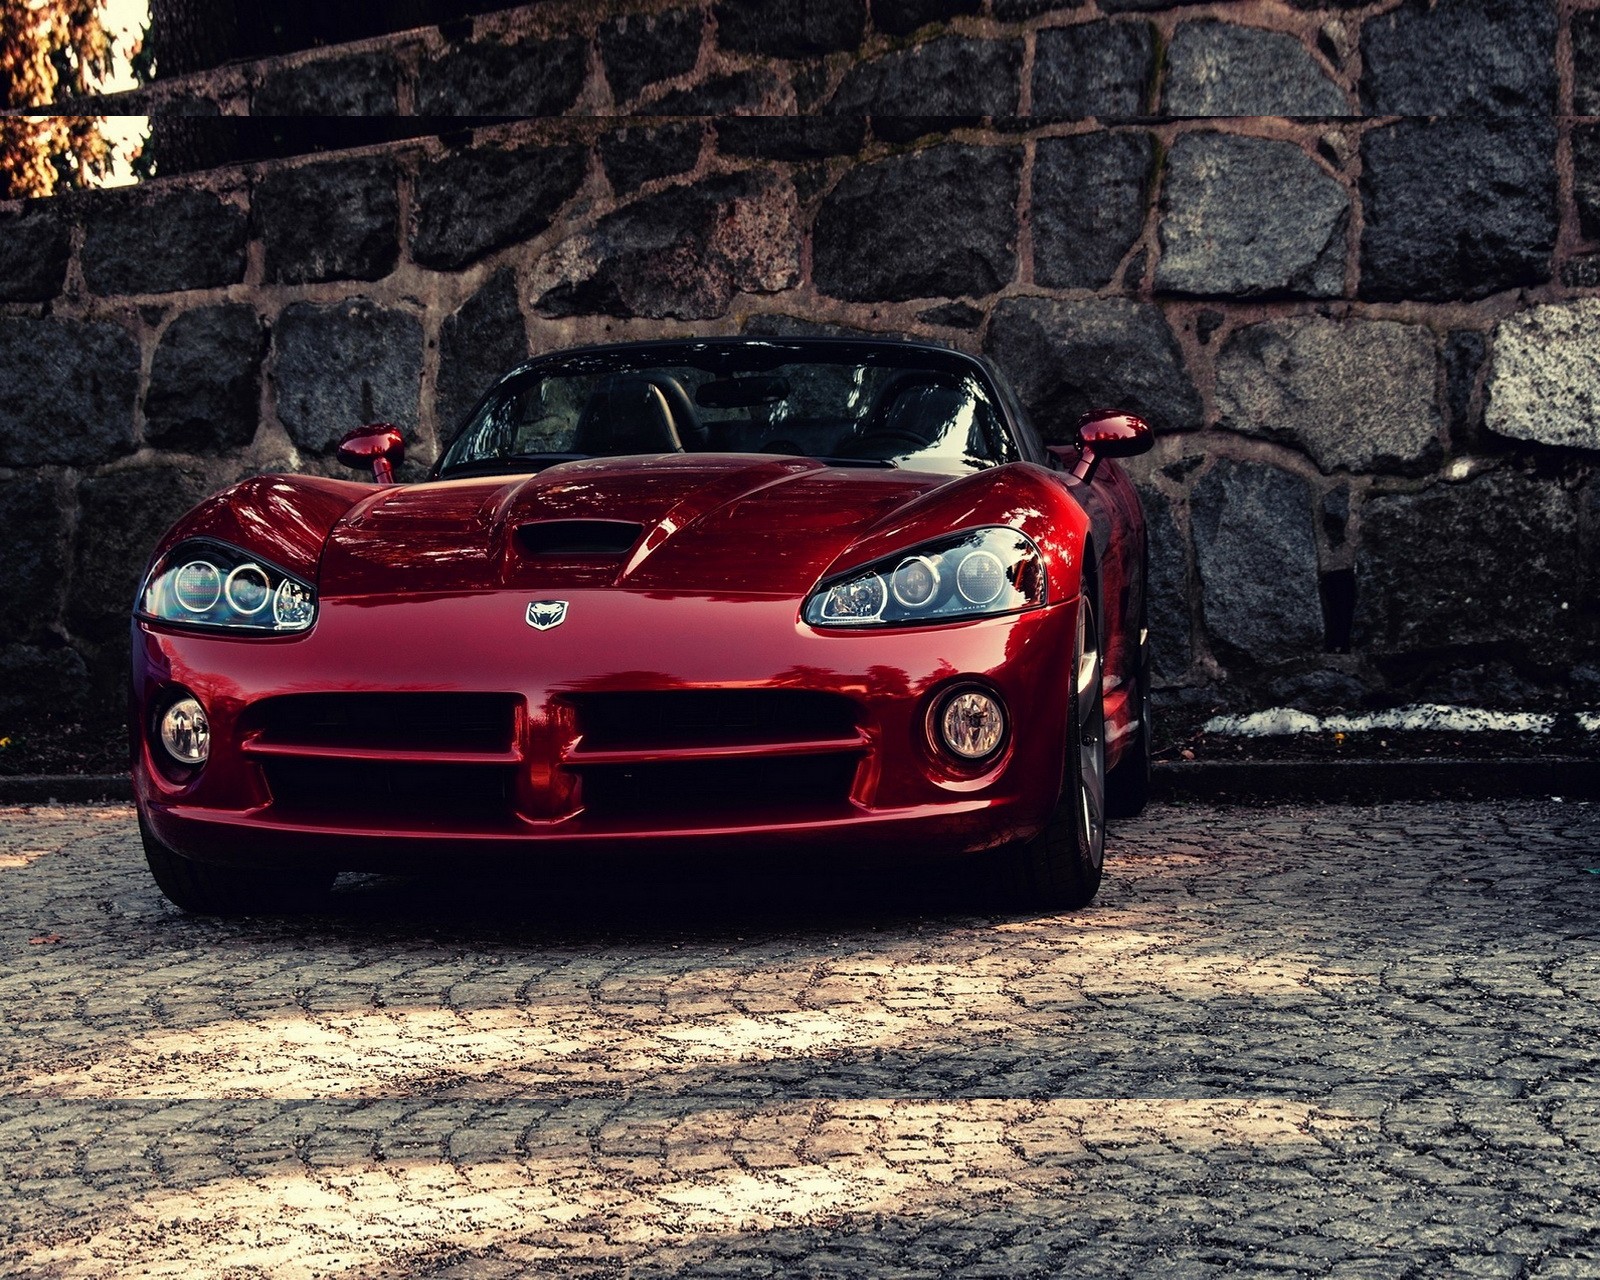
(703, 523)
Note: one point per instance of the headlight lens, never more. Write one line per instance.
(966, 575)
(210, 584)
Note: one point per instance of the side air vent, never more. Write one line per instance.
(579, 537)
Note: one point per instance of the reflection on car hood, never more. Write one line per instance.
(711, 523)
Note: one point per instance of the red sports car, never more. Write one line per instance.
(737, 593)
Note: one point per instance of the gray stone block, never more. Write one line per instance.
(161, 241)
(67, 390)
(35, 242)
(935, 223)
(361, 85)
(335, 221)
(205, 381)
(793, 138)
(33, 570)
(749, 93)
(341, 365)
(1460, 566)
(902, 17)
(1467, 57)
(1250, 217)
(1544, 376)
(485, 338)
(950, 78)
(474, 202)
(1099, 69)
(1586, 63)
(1256, 554)
(121, 517)
(1066, 357)
(1457, 208)
(790, 28)
(682, 253)
(638, 49)
(1359, 394)
(633, 157)
(1221, 69)
(1168, 589)
(1088, 205)
(531, 77)
(1586, 177)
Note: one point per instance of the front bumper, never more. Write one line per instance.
(896, 790)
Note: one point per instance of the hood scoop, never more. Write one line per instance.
(563, 538)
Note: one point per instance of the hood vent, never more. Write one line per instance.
(579, 537)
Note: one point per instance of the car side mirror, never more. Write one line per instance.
(1105, 433)
(378, 445)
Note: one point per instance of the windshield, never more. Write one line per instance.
(853, 405)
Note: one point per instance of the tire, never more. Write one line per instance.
(1060, 868)
(1128, 784)
(203, 888)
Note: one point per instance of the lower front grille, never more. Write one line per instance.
(718, 788)
(710, 717)
(385, 789)
(442, 722)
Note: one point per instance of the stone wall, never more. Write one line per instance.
(1343, 255)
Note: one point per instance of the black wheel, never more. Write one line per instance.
(1059, 869)
(1128, 785)
(203, 888)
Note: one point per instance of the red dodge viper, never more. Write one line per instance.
(739, 593)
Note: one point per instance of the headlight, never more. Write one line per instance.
(965, 575)
(210, 584)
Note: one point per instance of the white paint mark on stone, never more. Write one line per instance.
(1429, 717)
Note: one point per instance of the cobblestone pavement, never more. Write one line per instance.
(1323, 1041)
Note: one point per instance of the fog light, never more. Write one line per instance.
(972, 724)
(185, 732)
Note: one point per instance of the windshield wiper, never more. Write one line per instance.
(856, 462)
(509, 462)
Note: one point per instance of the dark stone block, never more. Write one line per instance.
(790, 28)
(639, 49)
(1250, 217)
(682, 253)
(474, 202)
(1582, 272)
(35, 243)
(741, 92)
(1586, 63)
(485, 338)
(33, 571)
(343, 364)
(1093, 69)
(1586, 177)
(40, 682)
(1088, 205)
(1468, 57)
(934, 85)
(1022, 10)
(794, 138)
(121, 517)
(205, 381)
(1167, 590)
(66, 391)
(145, 242)
(1463, 357)
(338, 221)
(1256, 554)
(1457, 208)
(362, 85)
(902, 17)
(633, 157)
(956, 315)
(782, 326)
(1222, 69)
(934, 223)
(1418, 590)
(528, 78)
(1067, 357)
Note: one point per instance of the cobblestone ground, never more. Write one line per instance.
(1323, 1041)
